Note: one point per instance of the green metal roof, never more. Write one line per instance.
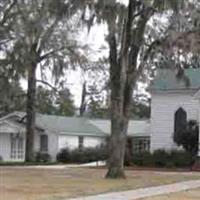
(137, 128)
(81, 126)
(63, 125)
(166, 79)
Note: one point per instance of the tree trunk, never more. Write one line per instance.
(83, 99)
(30, 110)
(118, 122)
(123, 76)
(118, 139)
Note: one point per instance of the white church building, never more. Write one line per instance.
(170, 97)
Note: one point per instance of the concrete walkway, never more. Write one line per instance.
(145, 192)
(60, 166)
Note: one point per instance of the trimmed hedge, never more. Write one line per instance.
(162, 158)
(42, 157)
(82, 155)
(143, 159)
(181, 158)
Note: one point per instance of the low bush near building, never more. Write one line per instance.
(187, 136)
(162, 158)
(182, 158)
(143, 159)
(82, 155)
(42, 157)
(63, 156)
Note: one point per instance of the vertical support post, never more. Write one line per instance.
(198, 154)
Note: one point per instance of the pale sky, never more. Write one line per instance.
(96, 40)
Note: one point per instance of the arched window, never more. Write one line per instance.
(180, 120)
(44, 143)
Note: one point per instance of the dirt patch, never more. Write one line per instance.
(50, 184)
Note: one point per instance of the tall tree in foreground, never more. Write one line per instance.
(41, 39)
(125, 72)
(130, 46)
(123, 75)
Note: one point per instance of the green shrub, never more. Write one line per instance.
(63, 156)
(188, 136)
(78, 156)
(181, 158)
(82, 155)
(42, 157)
(1, 159)
(143, 159)
(137, 159)
(148, 159)
(88, 155)
(162, 158)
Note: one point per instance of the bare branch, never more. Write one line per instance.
(48, 84)
(7, 12)
(148, 52)
(50, 53)
(45, 36)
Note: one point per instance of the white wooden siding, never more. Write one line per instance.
(163, 107)
(52, 143)
(93, 141)
(72, 142)
(68, 141)
(5, 146)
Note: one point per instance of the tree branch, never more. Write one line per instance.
(48, 54)
(48, 84)
(7, 11)
(152, 46)
(45, 36)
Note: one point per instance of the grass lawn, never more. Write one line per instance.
(186, 195)
(54, 184)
